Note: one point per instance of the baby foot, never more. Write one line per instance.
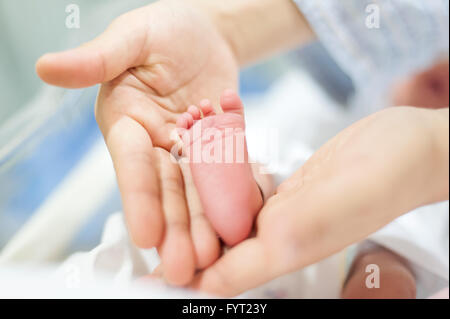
(216, 148)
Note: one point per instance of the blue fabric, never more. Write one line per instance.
(412, 34)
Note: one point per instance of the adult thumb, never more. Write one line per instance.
(119, 48)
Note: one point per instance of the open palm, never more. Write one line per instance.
(153, 63)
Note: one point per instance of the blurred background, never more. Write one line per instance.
(57, 184)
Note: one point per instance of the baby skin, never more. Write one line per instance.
(396, 280)
(216, 148)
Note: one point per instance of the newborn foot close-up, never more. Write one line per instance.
(216, 148)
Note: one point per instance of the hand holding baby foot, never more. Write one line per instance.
(368, 175)
(152, 63)
(217, 153)
(222, 188)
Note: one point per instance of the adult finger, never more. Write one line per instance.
(120, 47)
(177, 250)
(134, 160)
(244, 266)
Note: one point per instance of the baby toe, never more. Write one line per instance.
(206, 107)
(231, 102)
(189, 119)
(195, 112)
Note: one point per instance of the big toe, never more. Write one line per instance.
(231, 102)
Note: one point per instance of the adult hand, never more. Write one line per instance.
(153, 63)
(374, 171)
